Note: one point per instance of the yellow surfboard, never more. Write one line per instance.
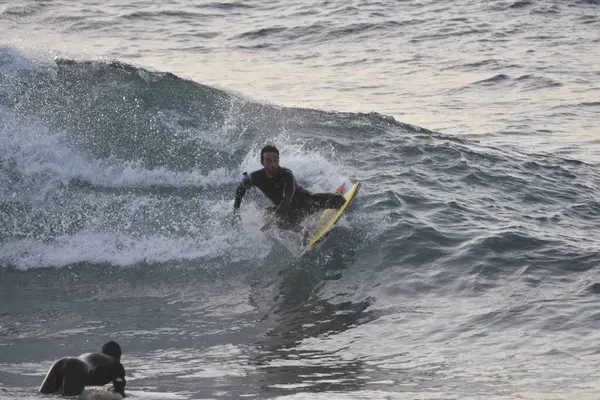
(329, 217)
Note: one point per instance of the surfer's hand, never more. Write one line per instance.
(270, 221)
(267, 225)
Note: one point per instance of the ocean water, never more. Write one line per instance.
(467, 268)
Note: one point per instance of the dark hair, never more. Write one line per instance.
(112, 349)
(268, 149)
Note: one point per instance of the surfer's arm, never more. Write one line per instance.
(119, 382)
(289, 189)
(244, 185)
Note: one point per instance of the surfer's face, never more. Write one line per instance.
(271, 162)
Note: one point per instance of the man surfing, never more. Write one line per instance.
(291, 201)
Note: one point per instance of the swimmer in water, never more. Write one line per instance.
(70, 375)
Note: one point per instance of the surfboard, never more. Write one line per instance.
(92, 394)
(100, 394)
(330, 217)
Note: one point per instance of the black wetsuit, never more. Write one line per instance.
(292, 201)
(70, 375)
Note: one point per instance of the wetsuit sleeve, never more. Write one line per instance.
(244, 185)
(289, 189)
(119, 382)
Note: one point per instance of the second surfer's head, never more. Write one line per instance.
(112, 349)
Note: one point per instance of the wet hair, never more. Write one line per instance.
(112, 349)
(268, 149)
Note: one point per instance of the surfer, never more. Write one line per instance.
(68, 376)
(291, 201)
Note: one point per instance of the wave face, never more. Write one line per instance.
(499, 71)
(117, 182)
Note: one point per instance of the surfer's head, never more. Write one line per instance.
(112, 349)
(269, 158)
